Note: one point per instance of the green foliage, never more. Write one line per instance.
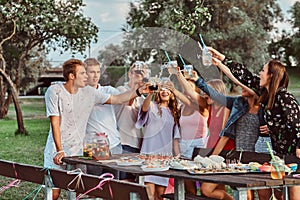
(286, 46)
(40, 26)
(233, 27)
(295, 38)
(28, 149)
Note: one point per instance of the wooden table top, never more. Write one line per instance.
(243, 180)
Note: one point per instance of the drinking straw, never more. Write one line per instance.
(168, 56)
(240, 158)
(270, 151)
(200, 45)
(202, 41)
(182, 60)
(273, 158)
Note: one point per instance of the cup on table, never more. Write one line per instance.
(277, 169)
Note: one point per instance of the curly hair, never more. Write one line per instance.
(172, 104)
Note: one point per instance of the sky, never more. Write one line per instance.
(110, 17)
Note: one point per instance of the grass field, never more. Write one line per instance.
(29, 149)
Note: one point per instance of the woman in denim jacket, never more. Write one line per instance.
(242, 126)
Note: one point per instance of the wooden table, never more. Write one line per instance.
(239, 182)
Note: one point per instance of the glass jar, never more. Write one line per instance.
(96, 146)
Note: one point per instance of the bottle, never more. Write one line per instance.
(206, 57)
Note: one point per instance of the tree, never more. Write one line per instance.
(40, 25)
(240, 29)
(181, 17)
(295, 39)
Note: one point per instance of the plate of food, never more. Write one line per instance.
(155, 168)
(129, 161)
(183, 165)
(239, 166)
(216, 171)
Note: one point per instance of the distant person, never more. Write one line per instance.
(68, 105)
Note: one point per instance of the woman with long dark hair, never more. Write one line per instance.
(161, 133)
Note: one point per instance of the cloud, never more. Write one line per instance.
(104, 17)
(107, 13)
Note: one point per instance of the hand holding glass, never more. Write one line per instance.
(172, 67)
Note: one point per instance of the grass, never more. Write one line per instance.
(24, 149)
(29, 149)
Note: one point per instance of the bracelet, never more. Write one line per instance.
(61, 151)
(138, 92)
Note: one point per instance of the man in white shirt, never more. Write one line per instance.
(68, 106)
(102, 118)
(131, 137)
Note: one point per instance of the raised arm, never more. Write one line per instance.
(128, 95)
(189, 91)
(228, 73)
(237, 72)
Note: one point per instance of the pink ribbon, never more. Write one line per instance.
(106, 178)
(296, 175)
(14, 183)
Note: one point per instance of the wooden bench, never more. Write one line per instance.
(61, 179)
(188, 197)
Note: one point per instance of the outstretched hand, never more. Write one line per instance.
(216, 54)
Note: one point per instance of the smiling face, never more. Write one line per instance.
(164, 95)
(265, 77)
(93, 73)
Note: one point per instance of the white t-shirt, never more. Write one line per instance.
(126, 118)
(103, 119)
(74, 111)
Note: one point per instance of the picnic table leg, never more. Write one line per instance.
(285, 193)
(141, 180)
(179, 189)
(240, 194)
(71, 195)
(48, 188)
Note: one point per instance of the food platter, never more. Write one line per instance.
(155, 168)
(239, 166)
(125, 161)
(182, 165)
(216, 171)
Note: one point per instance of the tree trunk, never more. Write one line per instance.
(5, 105)
(21, 128)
